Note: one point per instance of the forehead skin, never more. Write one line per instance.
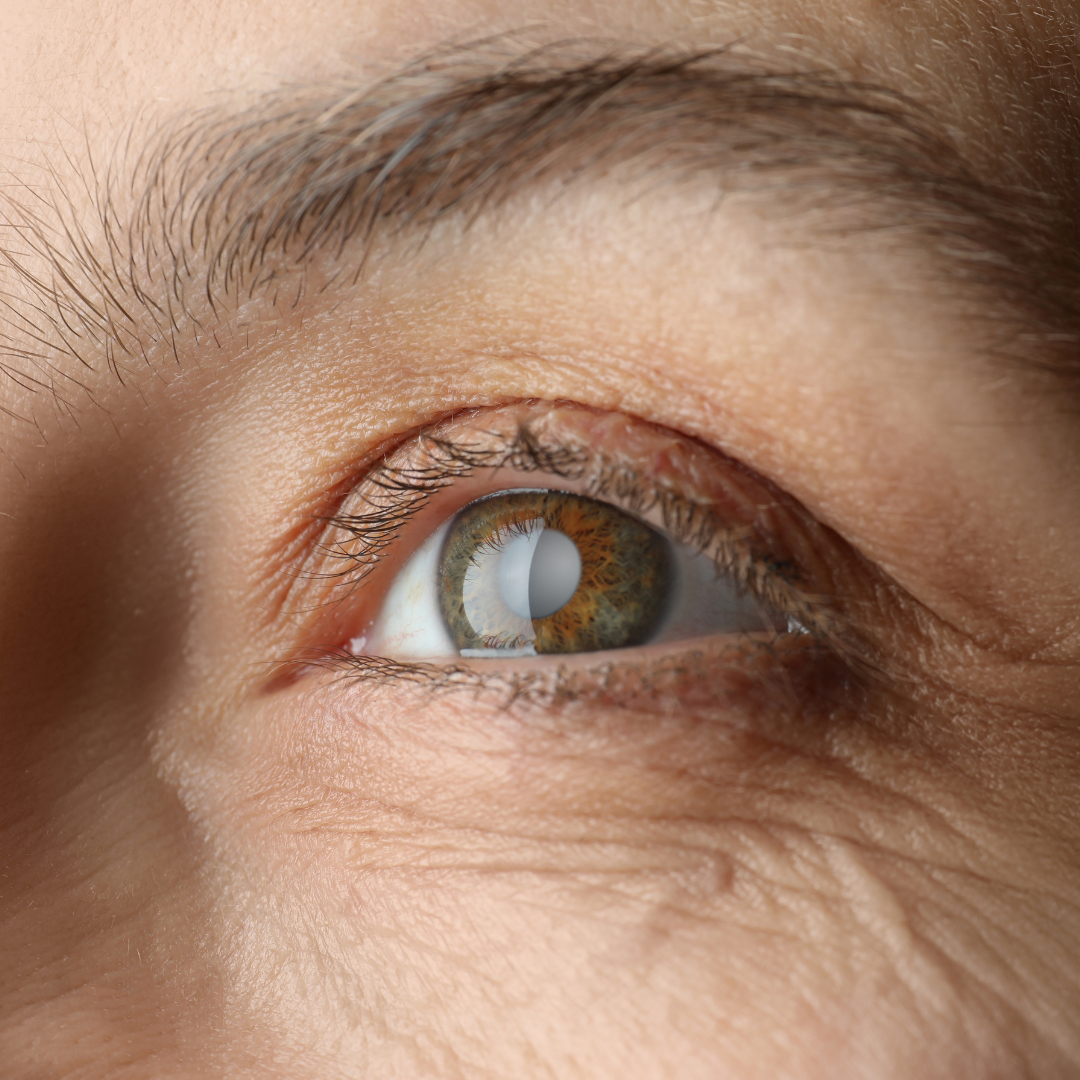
(78, 79)
(304, 908)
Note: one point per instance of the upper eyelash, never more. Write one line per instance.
(407, 489)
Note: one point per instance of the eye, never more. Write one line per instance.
(528, 572)
(552, 529)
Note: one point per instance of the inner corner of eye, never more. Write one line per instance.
(531, 572)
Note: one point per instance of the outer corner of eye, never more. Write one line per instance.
(528, 572)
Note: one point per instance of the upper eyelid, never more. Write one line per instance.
(408, 488)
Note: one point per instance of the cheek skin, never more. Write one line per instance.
(108, 966)
(478, 898)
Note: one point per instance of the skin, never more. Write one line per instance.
(206, 875)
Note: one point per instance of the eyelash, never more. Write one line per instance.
(394, 494)
(407, 490)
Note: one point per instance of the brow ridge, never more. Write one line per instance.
(220, 203)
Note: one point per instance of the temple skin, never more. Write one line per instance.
(208, 870)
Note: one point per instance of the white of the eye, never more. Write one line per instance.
(410, 622)
(708, 602)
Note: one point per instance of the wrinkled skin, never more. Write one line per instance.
(212, 871)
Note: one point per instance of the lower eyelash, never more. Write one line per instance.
(699, 680)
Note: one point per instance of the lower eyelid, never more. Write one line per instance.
(713, 679)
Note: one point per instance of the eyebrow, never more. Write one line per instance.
(220, 204)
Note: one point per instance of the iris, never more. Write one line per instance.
(551, 572)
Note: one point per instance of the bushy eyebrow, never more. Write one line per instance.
(222, 203)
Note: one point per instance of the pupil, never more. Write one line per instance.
(554, 574)
(539, 571)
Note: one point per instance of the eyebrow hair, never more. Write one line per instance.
(220, 204)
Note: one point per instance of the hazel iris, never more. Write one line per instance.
(552, 572)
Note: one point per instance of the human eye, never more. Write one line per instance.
(556, 540)
(537, 571)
